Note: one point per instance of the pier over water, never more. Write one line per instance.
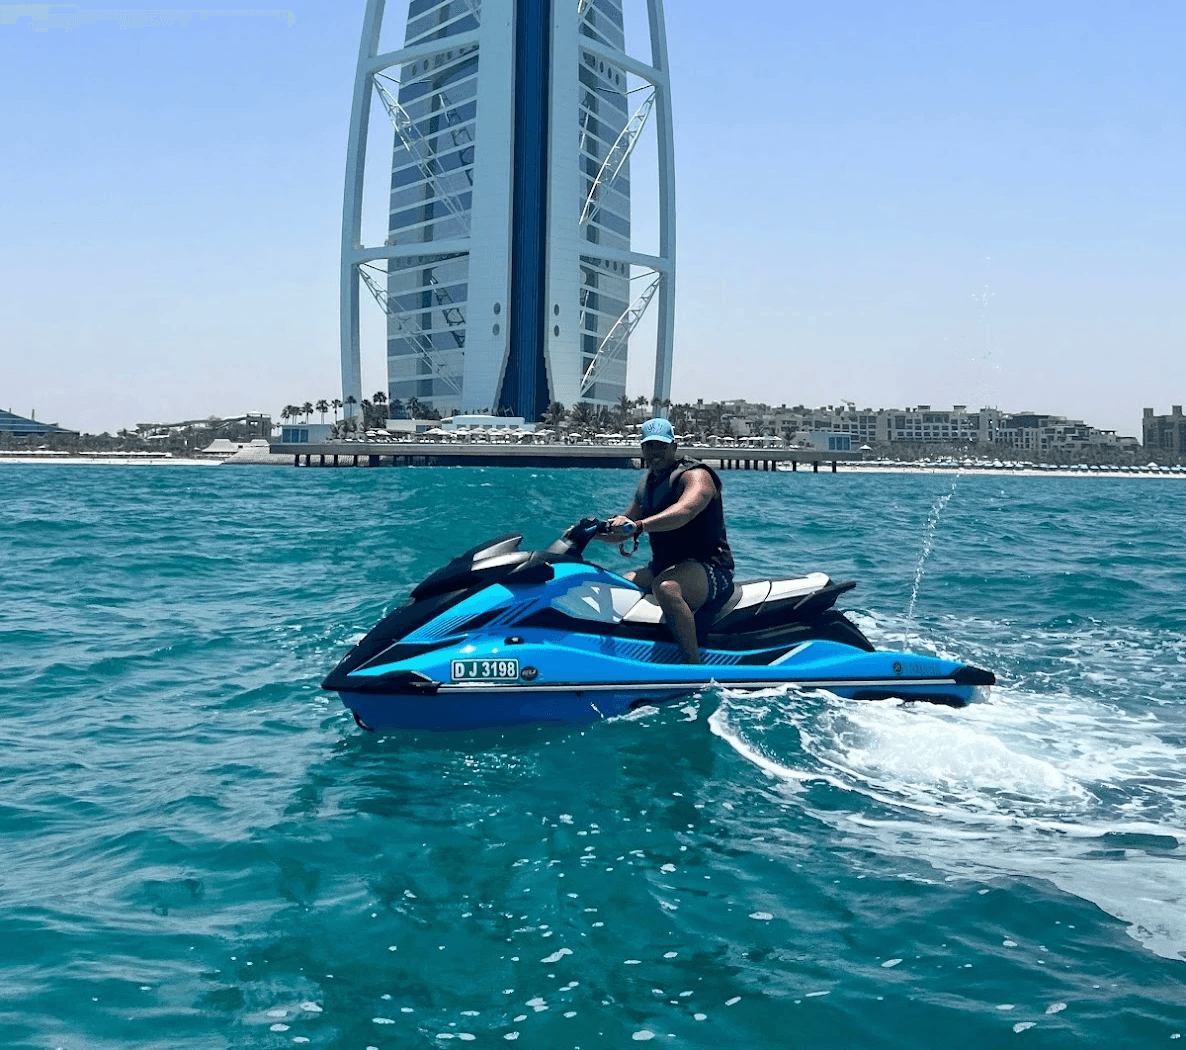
(497, 454)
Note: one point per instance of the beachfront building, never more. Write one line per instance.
(921, 424)
(508, 276)
(1039, 432)
(824, 441)
(305, 433)
(244, 428)
(479, 421)
(20, 426)
(1164, 433)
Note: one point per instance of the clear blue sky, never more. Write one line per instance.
(894, 203)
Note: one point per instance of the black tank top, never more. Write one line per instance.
(703, 538)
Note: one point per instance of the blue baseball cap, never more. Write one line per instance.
(657, 430)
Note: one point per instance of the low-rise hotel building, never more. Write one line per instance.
(1023, 431)
(1165, 433)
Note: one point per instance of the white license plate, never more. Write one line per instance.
(485, 670)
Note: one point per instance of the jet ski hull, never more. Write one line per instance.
(467, 708)
(471, 709)
(569, 684)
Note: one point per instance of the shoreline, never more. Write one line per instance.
(108, 459)
(1004, 472)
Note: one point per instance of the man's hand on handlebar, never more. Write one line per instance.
(623, 531)
(627, 531)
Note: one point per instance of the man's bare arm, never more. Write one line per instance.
(697, 492)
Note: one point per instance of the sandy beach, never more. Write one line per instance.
(106, 459)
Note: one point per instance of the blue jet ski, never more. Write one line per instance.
(502, 636)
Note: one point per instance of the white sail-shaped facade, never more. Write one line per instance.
(432, 181)
(604, 222)
(508, 258)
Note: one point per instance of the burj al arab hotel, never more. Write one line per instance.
(508, 277)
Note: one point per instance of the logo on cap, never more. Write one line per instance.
(657, 430)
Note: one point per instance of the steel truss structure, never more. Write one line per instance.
(405, 321)
(614, 344)
(615, 159)
(473, 205)
(412, 141)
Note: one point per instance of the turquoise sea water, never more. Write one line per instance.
(199, 849)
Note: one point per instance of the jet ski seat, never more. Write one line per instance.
(747, 598)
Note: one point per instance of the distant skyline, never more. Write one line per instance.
(957, 203)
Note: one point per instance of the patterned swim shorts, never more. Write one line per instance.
(720, 580)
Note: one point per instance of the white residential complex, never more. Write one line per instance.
(1024, 431)
(507, 270)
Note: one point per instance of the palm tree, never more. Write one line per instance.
(286, 413)
(379, 401)
(351, 401)
(367, 410)
(584, 415)
(335, 404)
(322, 406)
(396, 409)
(307, 410)
(415, 408)
(554, 414)
(623, 410)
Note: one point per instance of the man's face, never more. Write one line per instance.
(658, 454)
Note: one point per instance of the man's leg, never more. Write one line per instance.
(642, 578)
(680, 591)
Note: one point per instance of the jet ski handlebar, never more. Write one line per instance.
(576, 538)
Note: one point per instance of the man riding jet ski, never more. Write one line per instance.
(679, 503)
(500, 636)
